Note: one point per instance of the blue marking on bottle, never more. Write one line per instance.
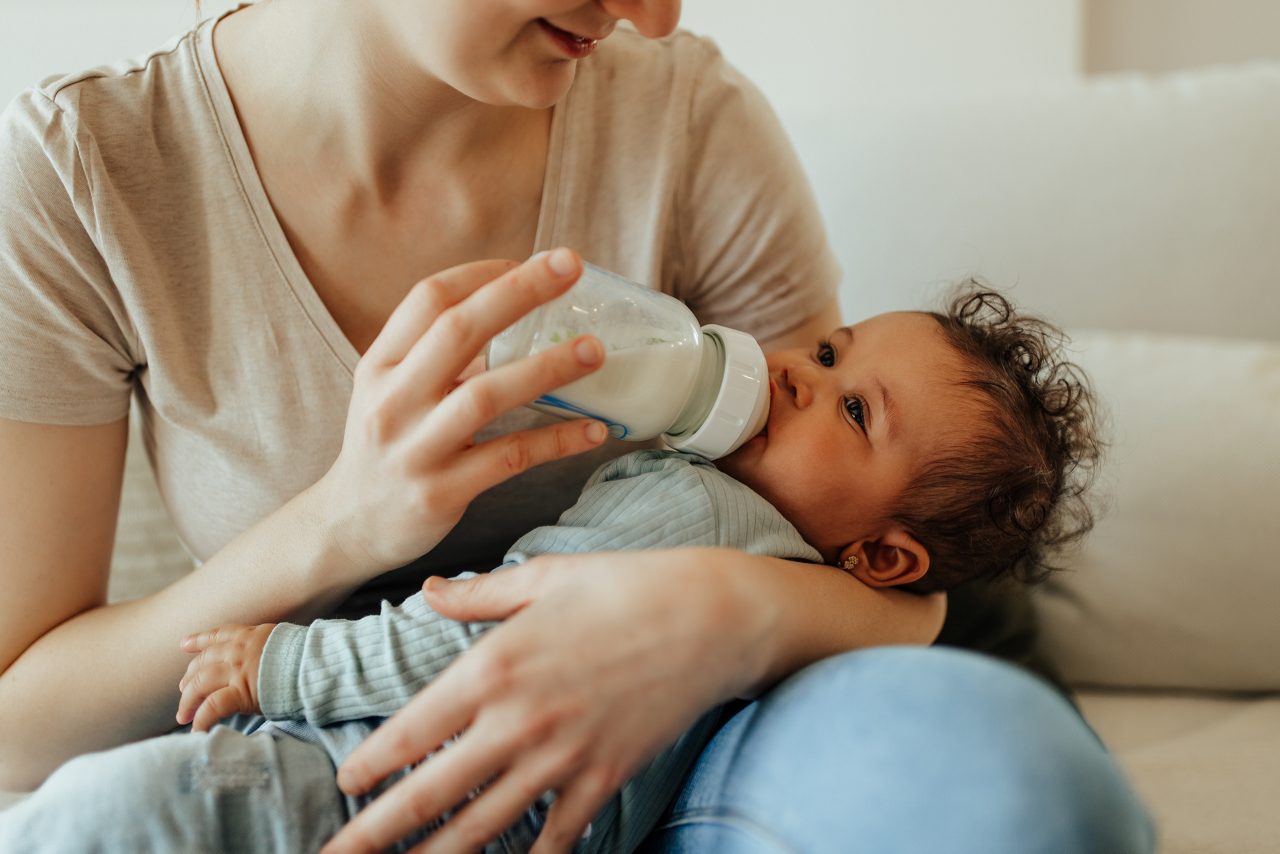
(616, 430)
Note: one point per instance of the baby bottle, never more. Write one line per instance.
(704, 390)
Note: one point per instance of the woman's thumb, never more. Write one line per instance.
(494, 596)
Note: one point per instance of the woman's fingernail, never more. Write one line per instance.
(435, 583)
(561, 262)
(596, 432)
(588, 351)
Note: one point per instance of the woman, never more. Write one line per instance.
(231, 231)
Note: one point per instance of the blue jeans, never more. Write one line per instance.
(886, 750)
(902, 750)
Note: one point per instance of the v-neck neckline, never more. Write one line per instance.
(269, 224)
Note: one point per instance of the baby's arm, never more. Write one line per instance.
(339, 670)
(332, 670)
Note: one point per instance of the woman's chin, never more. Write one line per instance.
(543, 86)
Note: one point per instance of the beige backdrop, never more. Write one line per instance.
(1166, 35)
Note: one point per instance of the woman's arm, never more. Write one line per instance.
(80, 675)
(577, 706)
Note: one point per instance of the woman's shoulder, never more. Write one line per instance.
(110, 100)
(632, 70)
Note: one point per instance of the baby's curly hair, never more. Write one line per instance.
(1009, 499)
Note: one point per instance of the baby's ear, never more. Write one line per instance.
(892, 559)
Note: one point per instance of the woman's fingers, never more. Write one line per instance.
(428, 299)
(437, 785)
(573, 811)
(492, 462)
(498, 807)
(493, 596)
(461, 330)
(436, 714)
(474, 368)
(483, 398)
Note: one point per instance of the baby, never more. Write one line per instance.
(916, 450)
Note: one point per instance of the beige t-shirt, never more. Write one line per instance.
(139, 255)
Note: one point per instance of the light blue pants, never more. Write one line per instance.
(884, 751)
(904, 750)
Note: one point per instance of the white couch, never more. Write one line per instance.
(1144, 214)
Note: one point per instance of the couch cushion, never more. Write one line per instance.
(1205, 766)
(1179, 585)
(148, 555)
(1119, 202)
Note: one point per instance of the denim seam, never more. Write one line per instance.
(729, 818)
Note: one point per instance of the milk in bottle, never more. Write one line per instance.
(705, 390)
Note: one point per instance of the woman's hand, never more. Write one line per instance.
(222, 680)
(409, 466)
(604, 660)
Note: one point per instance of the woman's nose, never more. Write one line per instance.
(653, 18)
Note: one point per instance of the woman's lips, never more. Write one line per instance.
(573, 46)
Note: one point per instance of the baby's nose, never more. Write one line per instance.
(801, 385)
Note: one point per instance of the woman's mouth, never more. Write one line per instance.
(573, 46)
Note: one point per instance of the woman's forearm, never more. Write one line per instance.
(820, 611)
(602, 659)
(82, 676)
(110, 675)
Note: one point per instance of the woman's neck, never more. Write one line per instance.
(379, 174)
(328, 84)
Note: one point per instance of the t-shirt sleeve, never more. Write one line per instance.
(65, 355)
(754, 250)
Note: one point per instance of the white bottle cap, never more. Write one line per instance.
(742, 405)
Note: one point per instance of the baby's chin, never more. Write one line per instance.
(741, 464)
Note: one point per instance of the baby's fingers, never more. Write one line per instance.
(203, 640)
(220, 704)
(204, 677)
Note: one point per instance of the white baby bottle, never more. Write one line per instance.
(704, 390)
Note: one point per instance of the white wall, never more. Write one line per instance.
(810, 54)
(43, 37)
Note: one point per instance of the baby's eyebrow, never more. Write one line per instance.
(888, 411)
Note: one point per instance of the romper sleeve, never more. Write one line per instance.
(66, 353)
(746, 521)
(754, 251)
(644, 500)
(342, 670)
(656, 499)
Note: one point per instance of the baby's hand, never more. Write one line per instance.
(223, 678)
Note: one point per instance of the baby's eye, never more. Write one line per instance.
(826, 355)
(856, 411)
